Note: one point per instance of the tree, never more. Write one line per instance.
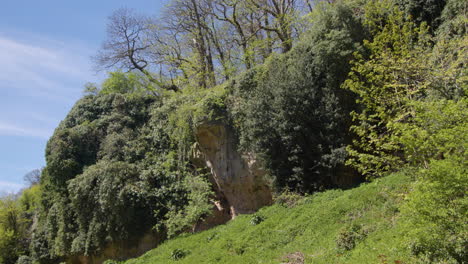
(189, 19)
(12, 231)
(394, 73)
(283, 13)
(33, 177)
(127, 45)
(236, 14)
(427, 11)
(291, 111)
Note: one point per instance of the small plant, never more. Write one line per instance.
(349, 237)
(256, 219)
(228, 244)
(239, 250)
(211, 237)
(288, 199)
(178, 254)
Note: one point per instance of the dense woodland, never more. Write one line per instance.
(315, 89)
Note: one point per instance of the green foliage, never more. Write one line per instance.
(8, 246)
(109, 205)
(90, 89)
(123, 83)
(256, 219)
(349, 236)
(111, 262)
(392, 74)
(454, 19)
(120, 164)
(311, 228)
(13, 230)
(436, 131)
(189, 109)
(436, 140)
(288, 199)
(437, 210)
(107, 174)
(178, 254)
(30, 199)
(427, 11)
(292, 112)
(24, 260)
(449, 74)
(197, 206)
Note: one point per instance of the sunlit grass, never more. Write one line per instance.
(315, 227)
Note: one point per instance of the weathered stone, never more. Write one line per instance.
(120, 251)
(238, 180)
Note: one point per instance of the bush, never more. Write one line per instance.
(256, 219)
(197, 206)
(349, 237)
(437, 130)
(288, 199)
(178, 254)
(436, 212)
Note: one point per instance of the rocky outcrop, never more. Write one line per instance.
(238, 179)
(120, 251)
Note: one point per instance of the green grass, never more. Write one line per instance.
(366, 216)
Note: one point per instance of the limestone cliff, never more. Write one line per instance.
(238, 179)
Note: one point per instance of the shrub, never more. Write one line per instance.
(256, 219)
(198, 206)
(349, 237)
(436, 212)
(212, 237)
(178, 254)
(288, 199)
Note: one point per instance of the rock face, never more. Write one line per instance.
(120, 251)
(238, 179)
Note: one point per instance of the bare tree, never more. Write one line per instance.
(201, 41)
(283, 13)
(33, 177)
(235, 14)
(127, 46)
(189, 20)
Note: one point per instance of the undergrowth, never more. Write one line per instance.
(360, 225)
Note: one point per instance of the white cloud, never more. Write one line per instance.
(54, 68)
(17, 130)
(40, 79)
(34, 56)
(10, 187)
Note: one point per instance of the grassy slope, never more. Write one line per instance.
(312, 227)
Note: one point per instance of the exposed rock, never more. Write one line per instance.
(120, 251)
(238, 179)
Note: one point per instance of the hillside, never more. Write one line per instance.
(188, 137)
(360, 225)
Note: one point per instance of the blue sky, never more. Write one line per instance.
(45, 49)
